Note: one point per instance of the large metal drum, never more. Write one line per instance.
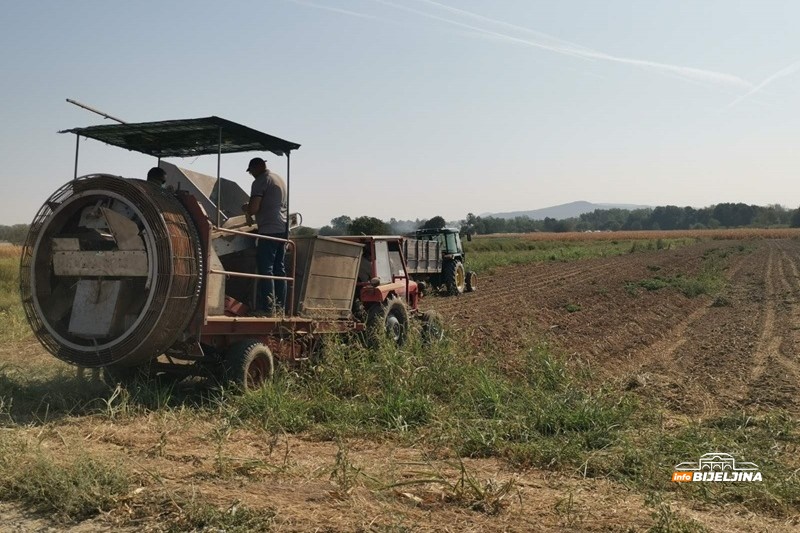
(110, 272)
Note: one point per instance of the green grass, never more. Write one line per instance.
(541, 415)
(483, 255)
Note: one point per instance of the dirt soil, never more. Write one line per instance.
(700, 355)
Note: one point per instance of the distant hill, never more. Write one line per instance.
(570, 210)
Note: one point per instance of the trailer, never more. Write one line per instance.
(436, 258)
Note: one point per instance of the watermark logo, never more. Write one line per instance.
(716, 466)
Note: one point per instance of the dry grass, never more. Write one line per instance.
(10, 251)
(14, 327)
(716, 234)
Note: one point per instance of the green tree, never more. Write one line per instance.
(341, 224)
(368, 226)
(15, 234)
(303, 231)
(795, 220)
(436, 222)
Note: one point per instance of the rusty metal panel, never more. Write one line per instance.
(94, 309)
(326, 275)
(100, 264)
(215, 289)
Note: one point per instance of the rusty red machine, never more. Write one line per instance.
(121, 274)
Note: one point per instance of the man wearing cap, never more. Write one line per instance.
(268, 205)
(157, 176)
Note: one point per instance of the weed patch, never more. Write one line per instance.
(710, 279)
(235, 519)
(74, 490)
(647, 456)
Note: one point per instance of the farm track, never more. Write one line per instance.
(698, 355)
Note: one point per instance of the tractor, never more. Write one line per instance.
(436, 258)
(146, 282)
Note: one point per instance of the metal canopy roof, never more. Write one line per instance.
(186, 138)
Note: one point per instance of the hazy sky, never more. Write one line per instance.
(413, 108)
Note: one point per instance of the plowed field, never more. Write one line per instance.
(700, 355)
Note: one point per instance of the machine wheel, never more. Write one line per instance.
(249, 364)
(472, 281)
(432, 327)
(454, 277)
(387, 321)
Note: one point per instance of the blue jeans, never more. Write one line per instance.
(271, 293)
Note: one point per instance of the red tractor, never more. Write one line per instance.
(123, 275)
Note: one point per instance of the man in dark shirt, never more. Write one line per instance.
(268, 205)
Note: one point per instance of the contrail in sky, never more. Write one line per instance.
(483, 18)
(786, 71)
(559, 46)
(688, 73)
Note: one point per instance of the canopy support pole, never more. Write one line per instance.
(288, 188)
(219, 181)
(77, 148)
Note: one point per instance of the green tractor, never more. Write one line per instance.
(436, 256)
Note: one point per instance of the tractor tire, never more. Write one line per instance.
(471, 281)
(454, 277)
(387, 321)
(432, 327)
(249, 364)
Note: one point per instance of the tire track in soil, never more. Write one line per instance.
(654, 322)
(676, 336)
(767, 342)
(793, 283)
(680, 367)
(776, 383)
(505, 312)
(520, 283)
(733, 355)
(695, 356)
(519, 300)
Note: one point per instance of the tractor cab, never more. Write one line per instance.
(448, 238)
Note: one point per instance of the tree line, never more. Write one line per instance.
(14, 234)
(724, 215)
